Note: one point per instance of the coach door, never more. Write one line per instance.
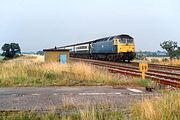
(63, 59)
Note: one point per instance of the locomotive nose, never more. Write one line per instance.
(126, 49)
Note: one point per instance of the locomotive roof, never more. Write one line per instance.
(125, 36)
(121, 36)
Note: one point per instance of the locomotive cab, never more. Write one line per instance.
(125, 47)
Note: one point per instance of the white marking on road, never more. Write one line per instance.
(92, 93)
(55, 94)
(100, 93)
(141, 94)
(114, 93)
(134, 90)
(35, 94)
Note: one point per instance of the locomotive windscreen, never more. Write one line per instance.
(125, 39)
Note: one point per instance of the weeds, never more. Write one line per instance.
(88, 113)
(165, 108)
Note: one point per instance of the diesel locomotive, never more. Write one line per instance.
(114, 48)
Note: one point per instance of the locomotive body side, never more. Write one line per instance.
(104, 46)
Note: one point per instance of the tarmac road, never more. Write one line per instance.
(48, 98)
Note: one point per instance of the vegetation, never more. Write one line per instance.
(163, 108)
(172, 48)
(10, 50)
(171, 62)
(28, 71)
(89, 113)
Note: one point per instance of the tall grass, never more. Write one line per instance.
(165, 108)
(170, 62)
(174, 62)
(28, 72)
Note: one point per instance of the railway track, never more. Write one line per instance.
(159, 66)
(168, 75)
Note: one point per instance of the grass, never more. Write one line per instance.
(173, 62)
(81, 115)
(89, 113)
(165, 108)
(30, 71)
(164, 60)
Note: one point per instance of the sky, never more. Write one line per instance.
(39, 24)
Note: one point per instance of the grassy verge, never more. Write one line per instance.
(165, 108)
(90, 113)
(29, 72)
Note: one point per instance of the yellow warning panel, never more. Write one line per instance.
(143, 67)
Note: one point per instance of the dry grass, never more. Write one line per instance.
(165, 108)
(161, 60)
(91, 113)
(172, 62)
(87, 112)
(31, 71)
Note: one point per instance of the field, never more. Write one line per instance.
(163, 60)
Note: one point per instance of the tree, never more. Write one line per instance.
(10, 50)
(171, 48)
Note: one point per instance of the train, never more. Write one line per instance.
(113, 48)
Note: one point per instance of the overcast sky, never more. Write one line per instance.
(38, 24)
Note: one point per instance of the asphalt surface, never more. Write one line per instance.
(48, 98)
